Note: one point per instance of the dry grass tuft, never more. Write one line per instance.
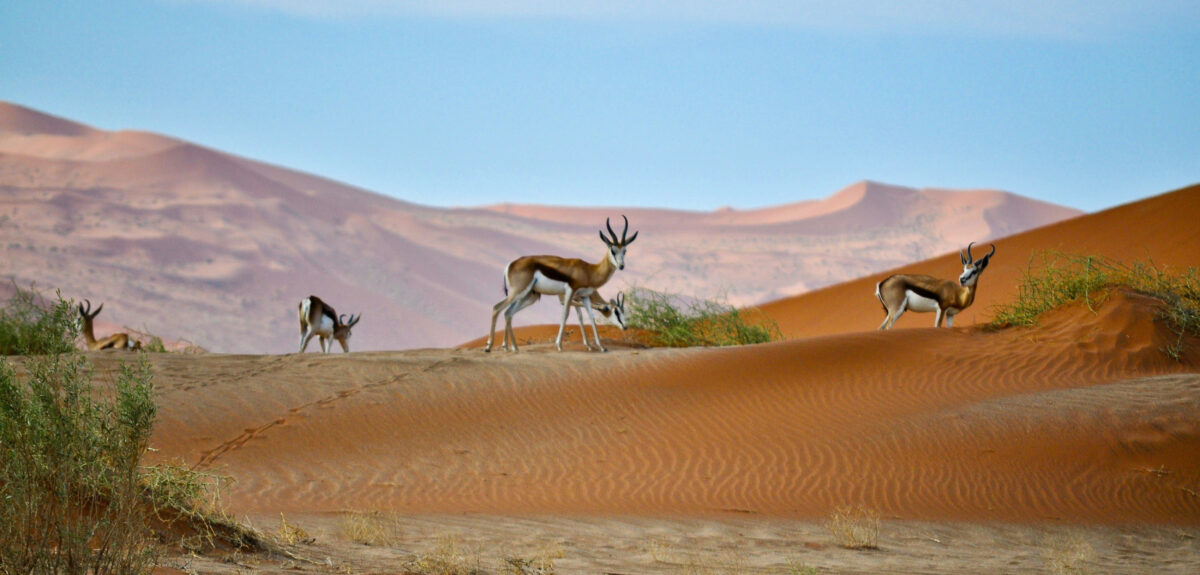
(290, 534)
(1068, 555)
(854, 527)
(375, 528)
(447, 558)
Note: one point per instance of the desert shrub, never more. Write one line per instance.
(854, 527)
(1061, 279)
(674, 323)
(447, 558)
(31, 326)
(371, 528)
(70, 490)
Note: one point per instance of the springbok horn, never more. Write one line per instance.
(970, 258)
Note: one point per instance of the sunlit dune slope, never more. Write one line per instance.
(1162, 229)
(1083, 418)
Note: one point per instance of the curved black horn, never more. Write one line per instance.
(85, 311)
(354, 319)
(342, 319)
(991, 252)
(626, 230)
(970, 258)
(608, 225)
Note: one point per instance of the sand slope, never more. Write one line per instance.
(1082, 419)
(1161, 229)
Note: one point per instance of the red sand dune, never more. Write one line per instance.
(1083, 419)
(1162, 229)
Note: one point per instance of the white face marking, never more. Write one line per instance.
(969, 275)
(616, 255)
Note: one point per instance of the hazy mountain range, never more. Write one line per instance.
(189, 242)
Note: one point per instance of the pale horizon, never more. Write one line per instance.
(675, 105)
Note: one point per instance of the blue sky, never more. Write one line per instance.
(679, 104)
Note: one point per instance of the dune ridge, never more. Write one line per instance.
(917, 424)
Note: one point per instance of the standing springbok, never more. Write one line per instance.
(114, 341)
(553, 275)
(923, 293)
(611, 311)
(317, 318)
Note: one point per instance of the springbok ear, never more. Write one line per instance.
(604, 239)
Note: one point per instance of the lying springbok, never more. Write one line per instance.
(114, 341)
(923, 293)
(317, 318)
(552, 275)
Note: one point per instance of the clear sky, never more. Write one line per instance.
(685, 104)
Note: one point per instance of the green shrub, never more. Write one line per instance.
(30, 326)
(698, 323)
(70, 489)
(1061, 279)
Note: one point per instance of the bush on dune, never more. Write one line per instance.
(672, 323)
(1061, 279)
(74, 496)
(70, 479)
(31, 326)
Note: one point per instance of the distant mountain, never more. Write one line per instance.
(189, 242)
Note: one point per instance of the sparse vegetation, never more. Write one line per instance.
(70, 483)
(1061, 279)
(371, 528)
(447, 558)
(1068, 555)
(74, 496)
(674, 323)
(31, 326)
(854, 527)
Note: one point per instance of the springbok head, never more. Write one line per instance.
(87, 312)
(972, 267)
(341, 332)
(616, 247)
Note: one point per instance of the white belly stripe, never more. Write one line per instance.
(920, 303)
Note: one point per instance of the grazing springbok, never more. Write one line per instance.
(923, 293)
(611, 312)
(114, 341)
(552, 275)
(317, 318)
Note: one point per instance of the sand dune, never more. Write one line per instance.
(1160, 229)
(1068, 421)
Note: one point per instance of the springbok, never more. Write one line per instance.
(611, 312)
(114, 341)
(923, 293)
(317, 318)
(552, 275)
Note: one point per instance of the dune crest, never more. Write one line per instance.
(917, 424)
